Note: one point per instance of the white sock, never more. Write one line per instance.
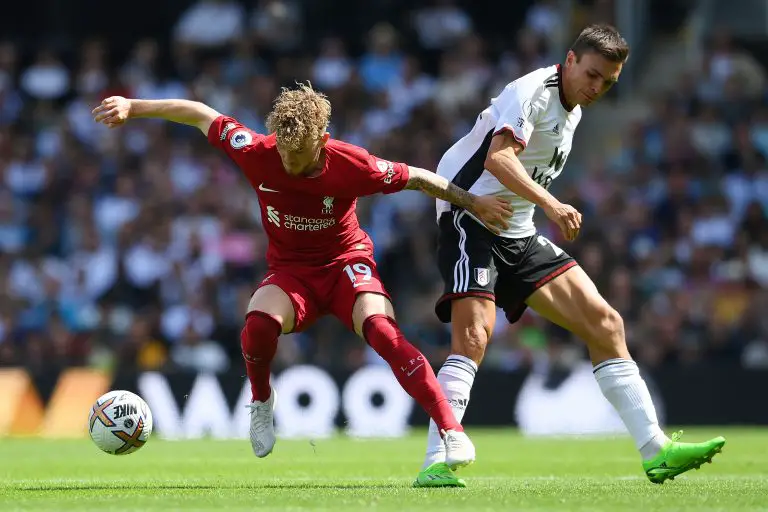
(455, 378)
(625, 389)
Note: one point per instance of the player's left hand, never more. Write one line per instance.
(492, 211)
(113, 111)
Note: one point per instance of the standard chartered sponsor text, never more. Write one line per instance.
(297, 223)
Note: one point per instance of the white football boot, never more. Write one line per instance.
(263, 425)
(459, 450)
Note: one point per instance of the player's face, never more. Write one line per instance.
(589, 77)
(304, 161)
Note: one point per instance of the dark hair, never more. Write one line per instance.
(604, 40)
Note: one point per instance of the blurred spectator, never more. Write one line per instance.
(210, 23)
(383, 63)
(723, 63)
(333, 67)
(197, 354)
(277, 24)
(441, 24)
(47, 78)
(140, 247)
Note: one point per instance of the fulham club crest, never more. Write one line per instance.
(482, 276)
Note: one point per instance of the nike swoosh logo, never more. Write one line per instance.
(265, 189)
(414, 370)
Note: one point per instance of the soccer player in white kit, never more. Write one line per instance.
(517, 147)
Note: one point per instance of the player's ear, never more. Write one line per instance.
(570, 58)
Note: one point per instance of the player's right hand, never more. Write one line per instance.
(566, 217)
(494, 212)
(113, 111)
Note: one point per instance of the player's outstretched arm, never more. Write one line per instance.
(492, 211)
(503, 163)
(116, 110)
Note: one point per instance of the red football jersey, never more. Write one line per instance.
(309, 221)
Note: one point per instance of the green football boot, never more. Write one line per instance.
(675, 458)
(438, 475)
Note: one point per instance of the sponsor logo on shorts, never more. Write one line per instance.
(482, 276)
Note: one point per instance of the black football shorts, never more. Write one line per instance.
(477, 263)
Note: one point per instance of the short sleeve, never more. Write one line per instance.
(238, 142)
(365, 174)
(517, 110)
(386, 177)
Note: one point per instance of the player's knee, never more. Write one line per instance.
(472, 323)
(367, 305)
(274, 302)
(258, 336)
(607, 328)
(471, 339)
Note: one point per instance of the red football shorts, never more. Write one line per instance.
(328, 289)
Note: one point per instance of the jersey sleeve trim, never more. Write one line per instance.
(508, 129)
(404, 174)
(215, 129)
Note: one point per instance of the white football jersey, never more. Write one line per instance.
(532, 109)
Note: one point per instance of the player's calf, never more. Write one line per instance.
(572, 301)
(472, 320)
(258, 340)
(411, 369)
(415, 375)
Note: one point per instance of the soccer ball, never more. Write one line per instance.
(120, 422)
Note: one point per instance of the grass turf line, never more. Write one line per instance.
(512, 473)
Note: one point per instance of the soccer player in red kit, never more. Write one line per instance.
(319, 260)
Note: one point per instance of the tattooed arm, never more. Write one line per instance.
(439, 187)
(493, 211)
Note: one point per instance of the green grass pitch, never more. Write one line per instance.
(512, 473)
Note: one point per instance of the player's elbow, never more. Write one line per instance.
(205, 116)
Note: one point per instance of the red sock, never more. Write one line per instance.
(258, 340)
(411, 369)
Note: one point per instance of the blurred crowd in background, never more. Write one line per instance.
(139, 247)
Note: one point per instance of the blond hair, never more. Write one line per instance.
(298, 116)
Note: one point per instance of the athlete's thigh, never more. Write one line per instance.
(570, 300)
(525, 265)
(466, 263)
(357, 290)
(284, 295)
